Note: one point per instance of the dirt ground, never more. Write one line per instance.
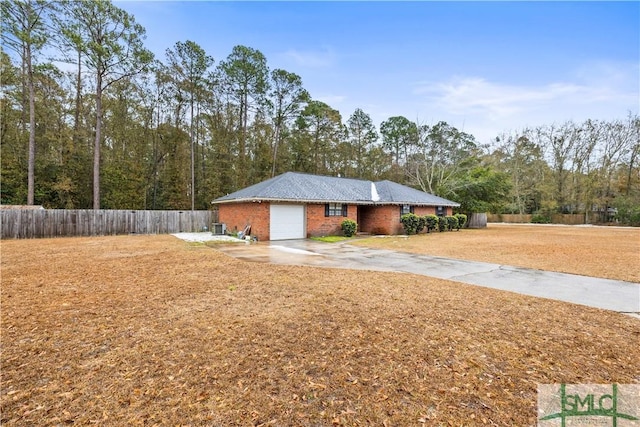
(152, 330)
(607, 252)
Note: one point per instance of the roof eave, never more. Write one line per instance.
(317, 201)
(271, 199)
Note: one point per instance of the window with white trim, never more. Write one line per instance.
(335, 209)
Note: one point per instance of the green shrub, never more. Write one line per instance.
(431, 222)
(462, 220)
(628, 211)
(349, 227)
(540, 219)
(410, 223)
(422, 223)
(442, 223)
(452, 222)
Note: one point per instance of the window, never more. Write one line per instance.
(335, 209)
(440, 211)
(405, 209)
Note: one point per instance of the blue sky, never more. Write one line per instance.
(484, 67)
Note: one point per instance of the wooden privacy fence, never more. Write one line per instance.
(509, 218)
(23, 223)
(567, 219)
(477, 220)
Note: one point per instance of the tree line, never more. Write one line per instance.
(102, 123)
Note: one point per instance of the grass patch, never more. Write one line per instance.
(607, 252)
(214, 243)
(148, 330)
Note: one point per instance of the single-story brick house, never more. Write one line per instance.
(297, 205)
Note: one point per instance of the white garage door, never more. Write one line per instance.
(287, 222)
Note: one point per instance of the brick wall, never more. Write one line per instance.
(425, 210)
(320, 225)
(237, 215)
(367, 220)
(381, 220)
(376, 220)
(386, 219)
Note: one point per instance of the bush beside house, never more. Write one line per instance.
(415, 224)
(349, 227)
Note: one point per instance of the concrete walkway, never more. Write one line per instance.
(615, 295)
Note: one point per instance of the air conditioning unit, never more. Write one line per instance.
(218, 228)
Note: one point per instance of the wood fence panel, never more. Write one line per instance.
(509, 218)
(39, 226)
(104, 223)
(181, 223)
(131, 221)
(477, 220)
(52, 223)
(13, 227)
(81, 223)
(71, 228)
(18, 224)
(25, 223)
(86, 222)
(141, 223)
(171, 222)
(32, 223)
(120, 223)
(568, 219)
(157, 221)
(163, 223)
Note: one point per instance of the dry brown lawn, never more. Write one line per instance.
(607, 252)
(150, 330)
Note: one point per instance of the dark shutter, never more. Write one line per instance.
(326, 209)
(344, 209)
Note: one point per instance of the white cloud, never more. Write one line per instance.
(598, 91)
(310, 59)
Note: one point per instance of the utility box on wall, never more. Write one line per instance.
(218, 228)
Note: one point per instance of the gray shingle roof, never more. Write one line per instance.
(300, 187)
(394, 193)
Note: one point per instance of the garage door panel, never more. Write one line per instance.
(287, 222)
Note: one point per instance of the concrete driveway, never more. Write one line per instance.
(615, 295)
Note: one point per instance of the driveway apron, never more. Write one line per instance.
(615, 295)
